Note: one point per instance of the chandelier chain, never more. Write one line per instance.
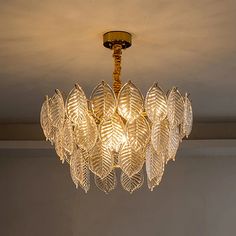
(117, 51)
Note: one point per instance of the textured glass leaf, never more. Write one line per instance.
(58, 142)
(160, 135)
(154, 182)
(175, 108)
(156, 103)
(80, 170)
(106, 184)
(57, 110)
(73, 176)
(112, 132)
(103, 101)
(86, 132)
(154, 163)
(133, 183)
(173, 144)
(188, 116)
(130, 102)
(76, 104)
(138, 132)
(101, 160)
(130, 160)
(45, 120)
(68, 140)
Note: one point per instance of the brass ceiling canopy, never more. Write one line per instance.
(117, 128)
(122, 38)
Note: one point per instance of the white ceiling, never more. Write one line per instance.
(53, 44)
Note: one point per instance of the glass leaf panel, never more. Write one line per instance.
(103, 101)
(80, 170)
(86, 132)
(175, 107)
(160, 136)
(173, 144)
(45, 120)
(188, 116)
(130, 102)
(130, 160)
(133, 183)
(138, 133)
(101, 160)
(76, 104)
(156, 103)
(154, 163)
(112, 132)
(57, 110)
(106, 184)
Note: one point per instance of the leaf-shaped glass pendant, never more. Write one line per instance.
(154, 163)
(133, 183)
(86, 132)
(188, 116)
(68, 140)
(57, 110)
(80, 170)
(154, 182)
(45, 120)
(138, 132)
(58, 142)
(130, 160)
(112, 132)
(76, 104)
(160, 136)
(175, 107)
(130, 102)
(106, 184)
(156, 103)
(101, 160)
(173, 144)
(103, 101)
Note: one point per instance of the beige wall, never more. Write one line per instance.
(196, 198)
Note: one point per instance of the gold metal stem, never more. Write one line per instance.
(117, 51)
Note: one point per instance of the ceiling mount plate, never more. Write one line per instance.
(117, 37)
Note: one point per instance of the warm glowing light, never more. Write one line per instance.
(117, 129)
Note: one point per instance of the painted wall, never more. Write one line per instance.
(37, 198)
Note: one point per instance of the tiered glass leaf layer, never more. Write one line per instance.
(106, 133)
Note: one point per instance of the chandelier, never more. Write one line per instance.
(116, 133)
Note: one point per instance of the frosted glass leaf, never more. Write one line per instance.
(58, 141)
(106, 184)
(154, 182)
(112, 132)
(133, 183)
(181, 132)
(76, 104)
(188, 116)
(103, 101)
(130, 102)
(173, 144)
(154, 163)
(156, 103)
(160, 135)
(68, 140)
(138, 132)
(80, 169)
(130, 160)
(57, 110)
(175, 107)
(73, 176)
(86, 132)
(45, 120)
(101, 160)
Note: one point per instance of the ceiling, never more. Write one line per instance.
(53, 44)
